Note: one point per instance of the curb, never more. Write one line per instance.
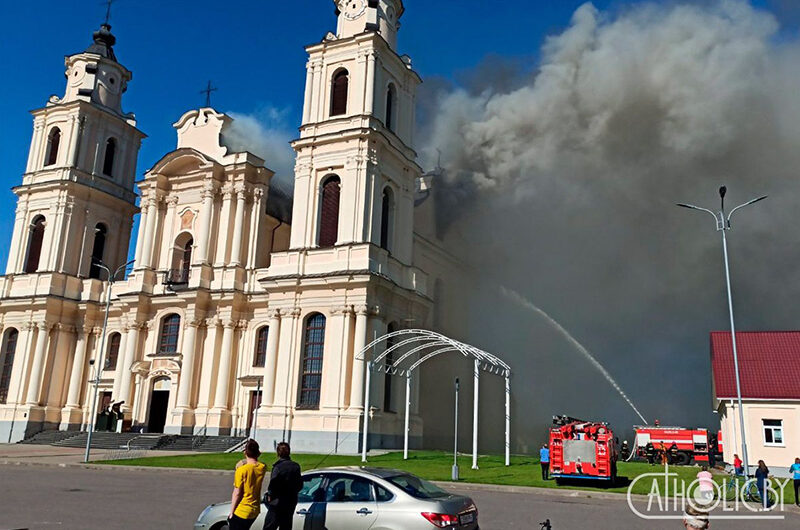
(81, 465)
(554, 492)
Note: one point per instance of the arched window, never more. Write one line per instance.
(9, 348)
(313, 347)
(186, 259)
(35, 240)
(98, 249)
(387, 380)
(260, 358)
(53, 141)
(387, 218)
(339, 93)
(329, 212)
(113, 352)
(391, 103)
(168, 339)
(108, 160)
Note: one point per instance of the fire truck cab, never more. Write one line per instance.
(582, 449)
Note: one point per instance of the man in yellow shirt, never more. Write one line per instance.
(246, 498)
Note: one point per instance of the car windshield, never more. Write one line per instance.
(416, 487)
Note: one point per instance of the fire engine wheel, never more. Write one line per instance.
(683, 459)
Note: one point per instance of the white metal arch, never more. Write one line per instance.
(432, 345)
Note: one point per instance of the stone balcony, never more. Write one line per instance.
(360, 257)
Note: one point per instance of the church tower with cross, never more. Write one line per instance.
(78, 184)
(75, 209)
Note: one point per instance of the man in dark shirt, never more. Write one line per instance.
(284, 485)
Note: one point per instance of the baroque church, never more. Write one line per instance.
(245, 306)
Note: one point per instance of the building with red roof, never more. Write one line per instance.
(769, 371)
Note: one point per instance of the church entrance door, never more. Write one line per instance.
(159, 402)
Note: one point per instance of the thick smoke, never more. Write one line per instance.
(264, 134)
(563, 188)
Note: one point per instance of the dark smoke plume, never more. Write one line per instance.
(562, 185)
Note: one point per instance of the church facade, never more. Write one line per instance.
(246, 306)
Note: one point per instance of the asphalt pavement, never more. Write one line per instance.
(49, 496)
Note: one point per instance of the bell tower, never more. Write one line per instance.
(356, 170)
(76, 201)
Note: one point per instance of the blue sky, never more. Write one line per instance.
(251, 49)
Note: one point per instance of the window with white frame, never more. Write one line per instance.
(773, 432)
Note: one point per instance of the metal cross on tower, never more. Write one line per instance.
(208, 90)
(108, 9)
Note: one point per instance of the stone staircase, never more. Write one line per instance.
(137, 441)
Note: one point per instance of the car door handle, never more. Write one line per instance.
(364, 511)
(302, 512)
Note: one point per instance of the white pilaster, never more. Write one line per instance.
(76, 377)
(37, 368)
(224, 228)
(238, 226)
(221, 398)
(205, 223)
(187, 364)
(357, 383)
(268, 392)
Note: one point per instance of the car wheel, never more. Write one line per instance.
(683, 459)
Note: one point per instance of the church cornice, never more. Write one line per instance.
(129, 120)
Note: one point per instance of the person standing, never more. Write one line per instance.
(650, 453)
(795, 470)
(673, 453)
(247, 482)
(284, 485)
(544, 461)
(738, 465)
(762, 474)
(705, 485)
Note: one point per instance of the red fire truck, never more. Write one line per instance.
(582, 449)
(693, 444)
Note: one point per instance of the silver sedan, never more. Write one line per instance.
(365, 498)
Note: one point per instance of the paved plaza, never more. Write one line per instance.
(51, 496)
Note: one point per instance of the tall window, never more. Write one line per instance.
(773, 432)
(339, 93)
(329, 212)
(391, 103)
(9, 348)
(98, 249)
(387, 213)
(35, 244)
(53, 141)
(260, 358)
(108, 160)
(113, 352)
(313, 346)
(186, 259)
(388, 405)
(168, 340)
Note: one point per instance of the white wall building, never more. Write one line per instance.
(235, 286)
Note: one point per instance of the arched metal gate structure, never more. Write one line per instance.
(417, 346)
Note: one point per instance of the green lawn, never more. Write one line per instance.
(524, 471)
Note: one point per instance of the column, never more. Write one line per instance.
(205, 223)
(37, 369)
(37, 133)
(16, 387)
(19, 242)
(224, 228)
(69, 157)
(357, 384)
(225, 360)
(123, 349)
(308, 92)
(169, 233)
(125, 369)
(369, 101)
(78, 368)
(141, 233)
(268, 387)
(150, 234)
(187, 366)
(316, 90)
(238, 226)
(255, 213)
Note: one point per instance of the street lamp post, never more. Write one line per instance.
(98, 365)
(723, 223)
(454, 470)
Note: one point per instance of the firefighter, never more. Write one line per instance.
(673, 453)
(650, 453)
(662, 453)
(625, 451)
